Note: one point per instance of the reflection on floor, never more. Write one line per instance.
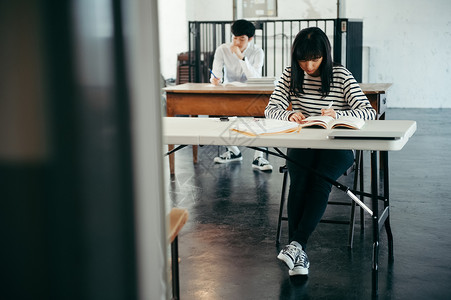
(227, 249)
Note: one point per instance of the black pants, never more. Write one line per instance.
(309, 193)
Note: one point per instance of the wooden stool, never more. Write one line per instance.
(177, 218)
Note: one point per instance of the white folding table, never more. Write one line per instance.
(377, 136)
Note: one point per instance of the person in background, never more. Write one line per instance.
(239, 61)
(310, 84)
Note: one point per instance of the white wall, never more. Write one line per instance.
(409, 41)
(209, 10)
(410, 45)
(173, 31)
(307, 9)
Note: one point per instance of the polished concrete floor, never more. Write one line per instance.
(227, 249)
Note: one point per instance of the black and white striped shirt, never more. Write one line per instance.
(346, 94)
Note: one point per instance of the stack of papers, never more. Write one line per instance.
(256, 127)
(262, 81)
(234, 83)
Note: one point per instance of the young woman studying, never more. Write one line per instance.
(314, 85)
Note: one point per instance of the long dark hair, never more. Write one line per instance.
(311, 43)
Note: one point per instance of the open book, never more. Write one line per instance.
(256, 127)
(330, 123)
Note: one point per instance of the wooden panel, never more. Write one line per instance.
(217, 104)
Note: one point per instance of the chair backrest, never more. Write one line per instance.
(183, 75)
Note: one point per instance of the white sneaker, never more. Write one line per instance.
(227, 157)
(301, 265)
(261, 164)
(289, 255)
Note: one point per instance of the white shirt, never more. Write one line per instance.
(236, 69)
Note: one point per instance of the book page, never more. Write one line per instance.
(317, 121)
(255, 127)
(348, 122)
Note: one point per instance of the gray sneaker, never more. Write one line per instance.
(261, 164)
(301, 265)
(227, 157)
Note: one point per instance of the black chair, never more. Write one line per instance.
(358, 177)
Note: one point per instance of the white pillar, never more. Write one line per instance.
(341, 8)
(142, 41)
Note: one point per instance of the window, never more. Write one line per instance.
(248, 9)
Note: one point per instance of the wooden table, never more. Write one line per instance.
(376, 93)
(205, 99)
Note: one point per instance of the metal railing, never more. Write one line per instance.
(275, 38)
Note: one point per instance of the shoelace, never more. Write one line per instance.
(292, 251)
(226, 155)
(303, 259)
(262, 161)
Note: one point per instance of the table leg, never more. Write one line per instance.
(384, 158)
(375, 220)
(362, 188)
(171, 159)
(170, 113)
(195, 147)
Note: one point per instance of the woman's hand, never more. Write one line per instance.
(296, 117)
(328, 112)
